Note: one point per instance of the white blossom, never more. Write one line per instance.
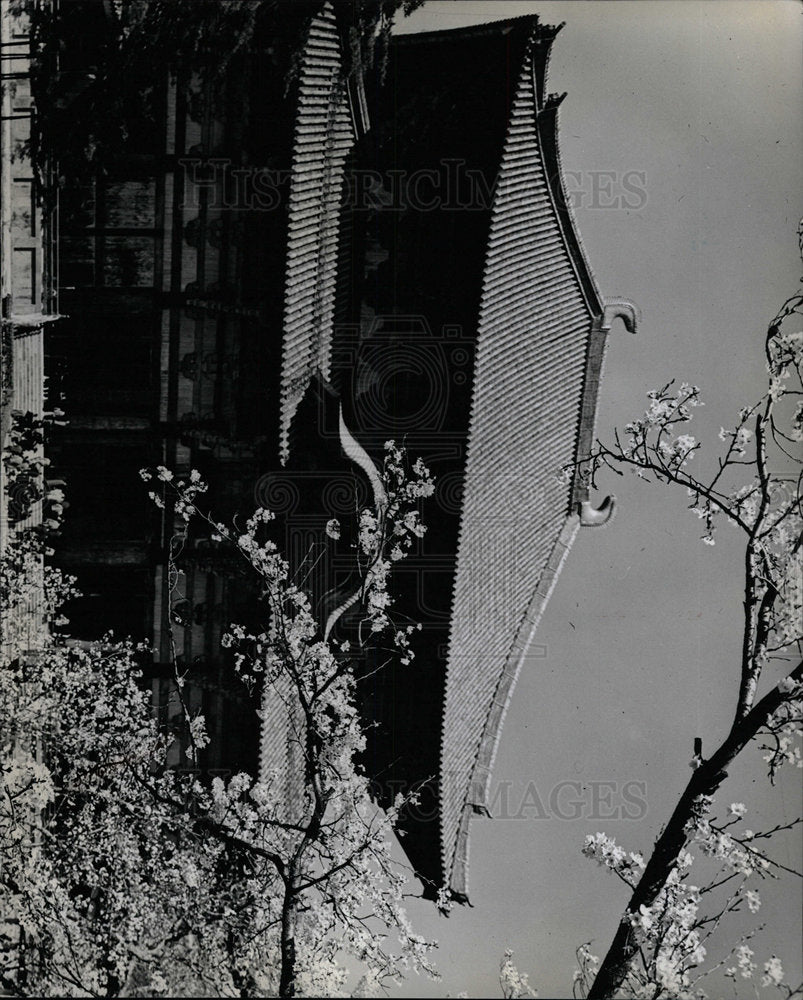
(773, 972)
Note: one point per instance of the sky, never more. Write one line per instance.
(638, 651)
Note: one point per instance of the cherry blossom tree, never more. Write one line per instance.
(660, 944)
(123, 877)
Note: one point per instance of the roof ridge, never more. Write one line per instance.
(539, 30)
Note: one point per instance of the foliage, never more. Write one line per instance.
(92, 64)
(24, 465)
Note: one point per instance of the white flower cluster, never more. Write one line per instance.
(786, 357)
(796, 430)
(185, 491)
(773, 972)
(387, 535)
(585, 973)
(606, 852)
(718, 843)
(738, 438)
(515, 985)
(745, 968)
(653, 429)
(444, 900)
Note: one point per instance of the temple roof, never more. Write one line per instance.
(513, 277)
(476, 332)
(325, 133)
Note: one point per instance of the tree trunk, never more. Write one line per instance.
(663, 859)
(705, 781)
(287, 979)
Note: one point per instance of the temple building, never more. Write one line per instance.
(259, 267)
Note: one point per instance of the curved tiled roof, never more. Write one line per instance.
(324, 137)
(535, 333)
